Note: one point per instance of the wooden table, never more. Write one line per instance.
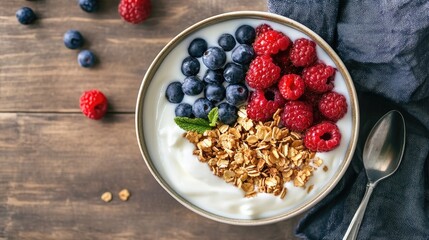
(55, 163)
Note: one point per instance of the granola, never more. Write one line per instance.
(256, 156)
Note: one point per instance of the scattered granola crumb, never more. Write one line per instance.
(256, 156)
(124, 194)
(106, 197)
(325, 168)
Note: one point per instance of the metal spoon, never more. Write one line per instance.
(382, 155)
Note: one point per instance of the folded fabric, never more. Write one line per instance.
(385, 46)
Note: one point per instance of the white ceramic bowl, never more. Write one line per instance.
(169, 156)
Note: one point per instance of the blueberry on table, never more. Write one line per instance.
(174, 92)
(245, 34)
(86, 59)
(214, 92)
(213, 76)
(192, 86)
(73, 39)
(201, 108)
(183, 110)
(25, 15)
(227, 113)
(236, 94)
(226, 41)
(88, 5)
(214, 58)
(243, 54)
(197, 47)
(234, 73)
(190, 66)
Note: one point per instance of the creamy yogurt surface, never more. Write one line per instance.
(172, 155)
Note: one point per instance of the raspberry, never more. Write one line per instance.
(303, 52)
(319, 77)
(264, 103)
(271, 42)
(134, 11)
(262, 73)
(311, 98)
(333, 106)
(297, 116)
(283, 61)
(262, 28)
(93, 104)
(291, 86)
(322, 137)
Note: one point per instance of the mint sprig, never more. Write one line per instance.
(213, 116)
(198, 125)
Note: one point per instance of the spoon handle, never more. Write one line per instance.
(353, 230)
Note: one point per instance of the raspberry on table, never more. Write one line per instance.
(291, 86)
(134, 11)
(93, 104)
(264, 103)
(297, 115)
(319, 77)
(262, 72)
(271, 42)
(333, 106)
(322, 137)
(303, 52)
(262, 29)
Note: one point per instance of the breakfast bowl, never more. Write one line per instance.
(218, 189)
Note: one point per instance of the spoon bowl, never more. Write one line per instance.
(384, 147)
(382, 156)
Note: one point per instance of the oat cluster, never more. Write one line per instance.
(256, 156)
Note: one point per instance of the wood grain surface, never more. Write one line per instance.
(55, 163)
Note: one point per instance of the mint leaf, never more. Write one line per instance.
(198, 125)
(213, 116)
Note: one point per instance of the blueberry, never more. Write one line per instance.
(226, 41)
(245, 34)
(197, 47)
(236, 94)
(190, 66)
(192, 86)
(174, 92)
(88, 5)
(184, 110)
(242, 54)
(214, 58)
(73, 39)
(201, 108)
(25, 15)
(234, 73)
(227, 113)
(86, 59)
(214, 92)
(213, 76)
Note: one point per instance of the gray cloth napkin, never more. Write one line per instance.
(385, 46)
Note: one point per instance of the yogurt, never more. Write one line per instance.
(172, 155)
